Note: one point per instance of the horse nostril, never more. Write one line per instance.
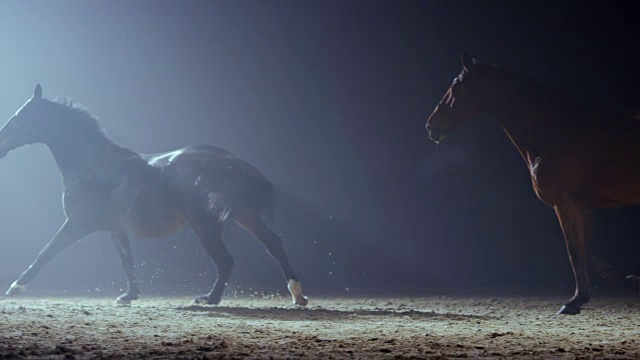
(428, 127)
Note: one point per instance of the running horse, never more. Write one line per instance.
(110, 188)
(580, 158)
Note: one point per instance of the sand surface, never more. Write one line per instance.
(365, 328)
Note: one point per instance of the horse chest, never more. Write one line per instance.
(90, 204)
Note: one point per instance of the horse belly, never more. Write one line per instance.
(614, 186)
(152, 218)
(616, 180)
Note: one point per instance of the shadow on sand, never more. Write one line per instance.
(297, 314)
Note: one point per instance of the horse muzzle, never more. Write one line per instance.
(436, 136)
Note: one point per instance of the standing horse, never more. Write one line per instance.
(580, 158)
(110, 188)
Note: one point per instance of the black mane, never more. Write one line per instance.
(78, 117)
(540, 91)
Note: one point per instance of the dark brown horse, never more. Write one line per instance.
(580, 158)
(110, 188)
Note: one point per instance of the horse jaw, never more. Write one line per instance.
(295, 288)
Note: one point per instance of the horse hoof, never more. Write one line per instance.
(300, 300)
(568, 310)
(15, 289)
(123, 301)
(295, 288)
(205, 300)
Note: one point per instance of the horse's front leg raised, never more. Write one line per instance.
(121, 240)
(68, 233)
(576, 226)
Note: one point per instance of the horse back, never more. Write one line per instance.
(215, 176)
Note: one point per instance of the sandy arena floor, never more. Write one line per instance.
(409, 327)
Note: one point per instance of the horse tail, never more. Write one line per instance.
(262, 197)
(281, 197)
(606, 271)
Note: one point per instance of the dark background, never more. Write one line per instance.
(329, 99)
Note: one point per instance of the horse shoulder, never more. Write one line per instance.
(555, 174)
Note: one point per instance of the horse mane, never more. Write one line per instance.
(543, 94)
(78, 117)
(535, 87)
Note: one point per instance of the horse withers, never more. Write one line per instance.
(110, 188)
(580, 158)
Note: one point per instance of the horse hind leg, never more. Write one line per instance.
(209, 232)
(251, 221)
(123, 247)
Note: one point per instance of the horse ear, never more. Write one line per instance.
(37, 92)
(467, 61)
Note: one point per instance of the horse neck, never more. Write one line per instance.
(527, 114)
(77, 155)
(520, 129)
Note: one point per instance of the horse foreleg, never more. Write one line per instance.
(576, 226)
(253, 223)
(209, 231)
(123, 247)
(66, 235)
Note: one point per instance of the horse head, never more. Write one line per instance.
(461, 102)
(25, 126)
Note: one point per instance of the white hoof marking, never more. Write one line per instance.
(295, 288)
